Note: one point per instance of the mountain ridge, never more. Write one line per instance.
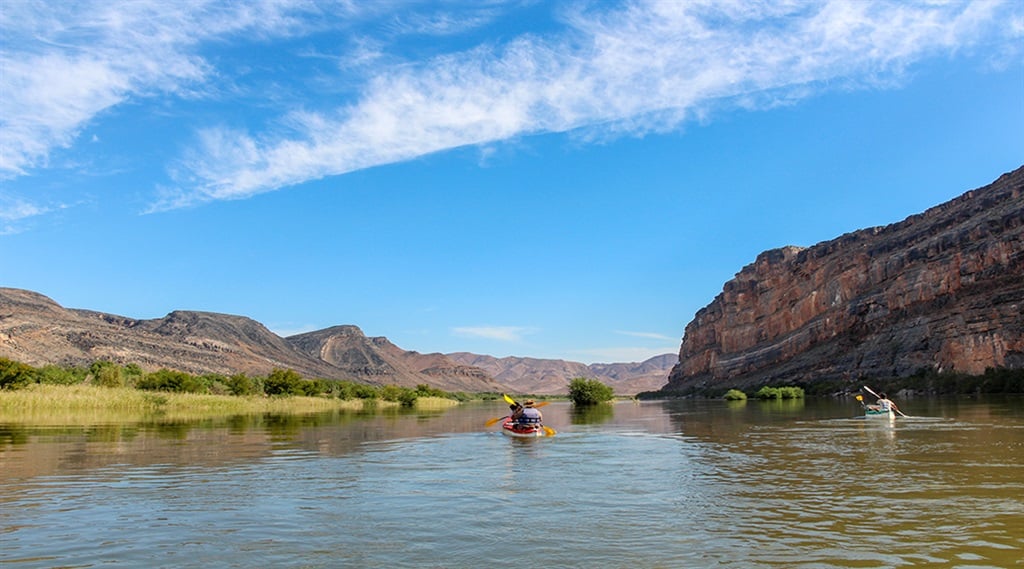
(36, 330)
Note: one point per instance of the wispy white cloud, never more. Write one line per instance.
(501, 333)
(628, 68)
(443, 21)
(647, 335)
(15, 212)
(647, 66)
(285, 330)
(65, 63)
(623, 354)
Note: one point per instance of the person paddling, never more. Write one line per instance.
(884, 404)
(527, 415)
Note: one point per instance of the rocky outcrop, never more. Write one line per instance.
(37, 331)
(533, 375)
(942, 290)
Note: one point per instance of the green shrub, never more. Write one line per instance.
(241, 384)
(315, 387)
(132, 373)
(407, 398)
(791, 393)
(363, 391)
(56, 375)
(735, 395)
(107, 374)
(402, 395)
(583, 391)
(424, 390)
(215, 383)
(173, 381)
(768, 393)
(15, 375)
(283, 382)
(460, 396)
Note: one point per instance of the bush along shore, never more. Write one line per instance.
(924, 382)
(107, 385)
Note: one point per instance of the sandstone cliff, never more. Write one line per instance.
(942, 290)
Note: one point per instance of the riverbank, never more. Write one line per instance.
(62, 403)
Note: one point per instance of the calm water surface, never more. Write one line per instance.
(653, 484)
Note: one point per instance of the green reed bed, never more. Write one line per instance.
(77, 403)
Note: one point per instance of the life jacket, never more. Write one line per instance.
(530, 416)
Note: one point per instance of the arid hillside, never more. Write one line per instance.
(532, 375)
(36, 330)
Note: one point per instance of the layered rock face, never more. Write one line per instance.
(942, 290)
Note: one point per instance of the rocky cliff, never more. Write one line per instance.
(942, 290)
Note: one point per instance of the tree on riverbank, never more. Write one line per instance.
(583, 391)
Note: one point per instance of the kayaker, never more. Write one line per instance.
(883, 403)
(527, 414)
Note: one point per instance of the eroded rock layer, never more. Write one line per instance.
(942, 290)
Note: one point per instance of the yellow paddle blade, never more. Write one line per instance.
(541, 404)
(508, 399)
(493, 421)
(549, 431)
(860, 398)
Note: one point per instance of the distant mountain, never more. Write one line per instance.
(939, 291)
(532, 375)
(383, 362)
(36, 330)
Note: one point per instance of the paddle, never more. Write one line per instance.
(894, 407)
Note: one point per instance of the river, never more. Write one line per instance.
(649, 485)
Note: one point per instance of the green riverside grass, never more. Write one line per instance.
(87, 403)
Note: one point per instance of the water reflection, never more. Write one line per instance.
(592, 414)
(639, 484)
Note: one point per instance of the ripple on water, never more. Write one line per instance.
(778, 493)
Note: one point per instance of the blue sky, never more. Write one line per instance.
(558, 180)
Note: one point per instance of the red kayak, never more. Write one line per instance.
(513, 430)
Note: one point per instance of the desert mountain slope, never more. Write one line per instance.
(36, 330)
(348, 348)
(533, 375)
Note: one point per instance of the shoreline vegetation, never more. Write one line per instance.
(1003, 381)
(41, 403)
(52, 392)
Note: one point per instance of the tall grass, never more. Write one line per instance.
(87, 403)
